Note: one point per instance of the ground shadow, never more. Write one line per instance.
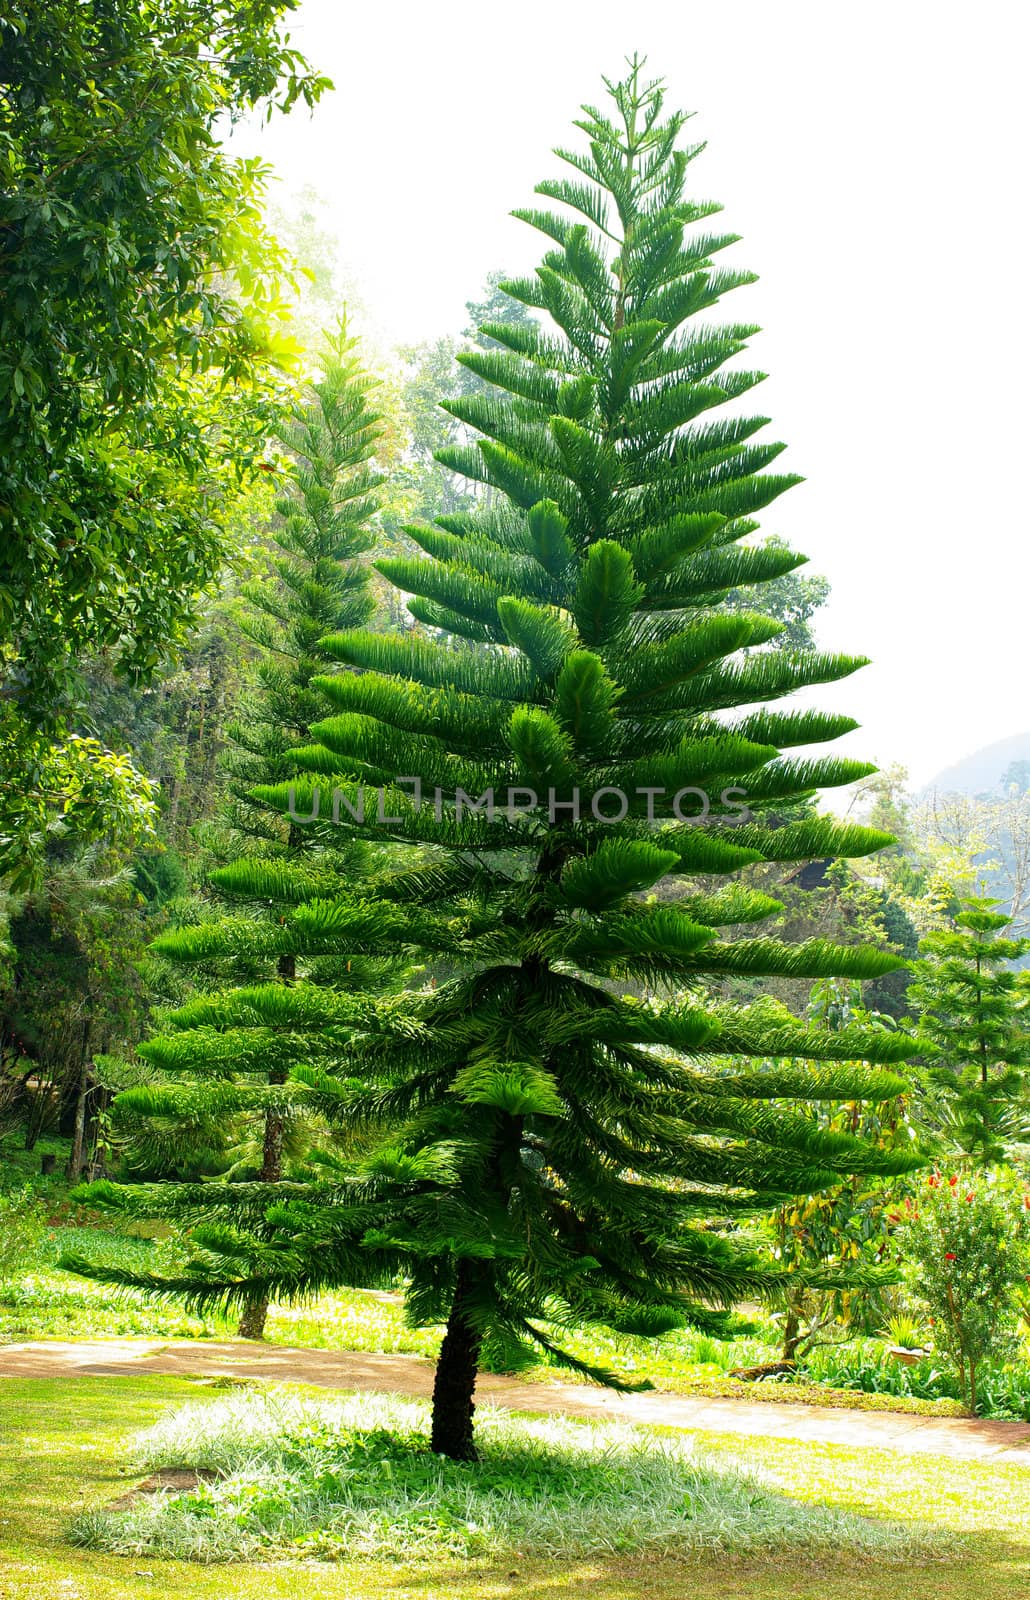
(992, 1566)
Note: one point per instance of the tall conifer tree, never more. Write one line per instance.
(974, 1024)
(318, 582)
(557, 1143)
(232, 1094)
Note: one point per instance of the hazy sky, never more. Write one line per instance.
(873, 157)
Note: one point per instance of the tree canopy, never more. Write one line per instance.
(137, 336)
(551, 772)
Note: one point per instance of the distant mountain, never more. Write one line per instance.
(983, 770)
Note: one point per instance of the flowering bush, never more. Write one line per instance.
(970, 1240)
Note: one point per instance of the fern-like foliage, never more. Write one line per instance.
(228, 1102)
(584, 730)
(972, 1002)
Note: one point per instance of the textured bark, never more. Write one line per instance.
(255, 1311)
(252, 1322)
(272, 1150)
(77, 1158)
(767, 1369)
(791, 1335)
(455, 1380)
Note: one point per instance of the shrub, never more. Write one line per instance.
(905, 1330)
(867, 1367)
(969, 1238)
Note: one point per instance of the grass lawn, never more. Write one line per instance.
(62, 1448)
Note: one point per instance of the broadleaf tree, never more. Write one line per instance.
(561, 1123)
(138, 343)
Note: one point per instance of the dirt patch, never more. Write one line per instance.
(902, 1433)
(173, 1480)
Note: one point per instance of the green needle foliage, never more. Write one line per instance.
(226, 1059)
(973, 1028)
(318, 582)
(562, 1120)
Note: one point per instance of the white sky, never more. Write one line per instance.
(873, 158)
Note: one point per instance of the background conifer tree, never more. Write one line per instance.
(229, 1097)
(972, 1005)
(557, 1144)
(317, 582)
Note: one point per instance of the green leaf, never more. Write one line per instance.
(584, 698)
(607, 593)
(542, 633)
(617, 867)
(519, 1088)
(548, 529)
(543, 751)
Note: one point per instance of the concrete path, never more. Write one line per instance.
(968, 1439)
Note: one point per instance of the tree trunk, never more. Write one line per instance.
(791, 1336)
(766, 1369)
(275, 1130)
(252, 1322)
(255, 1310)
(76, 1160)
(96, 1165)
(455, 1380)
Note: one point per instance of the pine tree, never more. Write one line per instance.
(561, 1120)
(318, 583)
(973, 1027)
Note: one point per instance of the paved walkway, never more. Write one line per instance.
(968, 1439)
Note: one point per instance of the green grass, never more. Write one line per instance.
(352, 1319)
(22, 1166)
(63, 1452)
(47, 1304)
(355, 1479)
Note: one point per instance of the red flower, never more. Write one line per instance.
(970, 1197)
(953, 1180)
(949, 1256)
(933, 1180)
